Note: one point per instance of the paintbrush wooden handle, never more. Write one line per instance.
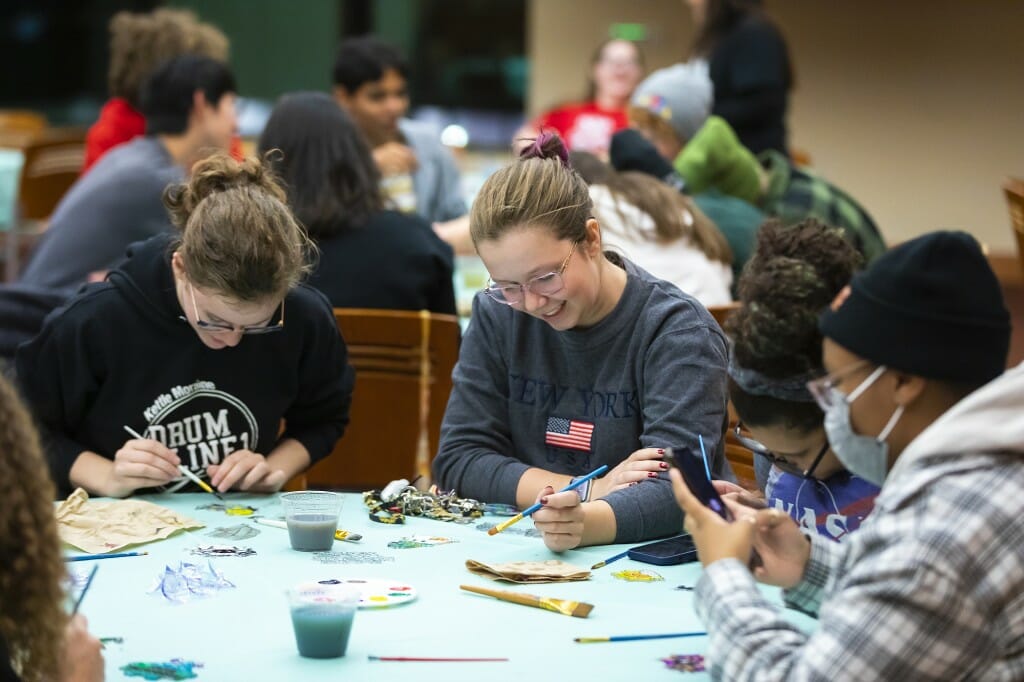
(504, 595)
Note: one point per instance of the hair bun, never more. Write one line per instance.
(795, 272)
(219, 173)
(547, 145)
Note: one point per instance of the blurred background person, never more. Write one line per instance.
(189, 105)
(615, 70)
(370, 257)
(749, 67)
(139, 43)
(659, 229)
(418, 173)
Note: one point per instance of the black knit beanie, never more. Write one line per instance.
(930, 307)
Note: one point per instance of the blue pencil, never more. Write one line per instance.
(534, 507)
(704, 454)
(607, 561)
(90, 557)
(633, 638)
(88, 582)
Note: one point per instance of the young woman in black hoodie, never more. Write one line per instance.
(202, 343)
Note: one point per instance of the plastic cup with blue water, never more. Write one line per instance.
(322, 616)
(312, 519)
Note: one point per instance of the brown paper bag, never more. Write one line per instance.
(100, 527)
(551, 571)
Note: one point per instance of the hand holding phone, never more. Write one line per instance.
(691, 466)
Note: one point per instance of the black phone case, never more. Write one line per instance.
(668, 552)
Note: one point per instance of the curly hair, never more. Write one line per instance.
(141, 42)
(238, 236)
(794, 274)
(32, 620)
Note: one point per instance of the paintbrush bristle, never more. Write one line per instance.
(492, 531)
(582, 610)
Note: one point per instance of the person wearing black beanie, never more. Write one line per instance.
(931, 586)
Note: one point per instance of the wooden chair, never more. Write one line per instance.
(52, 162)
(1014, 190)
(403, 362)
(22, 120)
(739, 457)
(722, 312)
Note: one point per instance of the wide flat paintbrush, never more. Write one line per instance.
(563, 606)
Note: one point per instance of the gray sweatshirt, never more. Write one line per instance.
(651, 374)
(119, 201)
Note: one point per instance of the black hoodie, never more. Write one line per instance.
(120, 354)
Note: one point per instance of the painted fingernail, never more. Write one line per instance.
(664, 465)
(652, 474)
(661, 451)
(543, 500)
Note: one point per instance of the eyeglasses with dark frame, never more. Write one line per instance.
(541, 285)
(214, 328)
(758, 448)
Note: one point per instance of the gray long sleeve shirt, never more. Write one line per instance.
(119, 201)
(651, 374)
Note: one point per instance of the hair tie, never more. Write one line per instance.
(547, 145)
(793, 389)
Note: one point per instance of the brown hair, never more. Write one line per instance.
(644, 119)
(32, 619)
(238, 236)
(141, 42)
(539, 189)
(675, 216)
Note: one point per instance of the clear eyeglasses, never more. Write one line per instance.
(215, 328)
(541, 285)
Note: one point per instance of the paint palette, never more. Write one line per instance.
(375, 593)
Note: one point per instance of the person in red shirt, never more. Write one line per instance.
(138, 44)
(615, 70)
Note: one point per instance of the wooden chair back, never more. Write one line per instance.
(22, 120)
(739, 457)
(403, 362)
(1014, 190)
(53, 162)
(722, 312)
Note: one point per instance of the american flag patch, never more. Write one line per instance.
(569, 433)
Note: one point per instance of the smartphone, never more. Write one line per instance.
(675, 550)
(691, 466)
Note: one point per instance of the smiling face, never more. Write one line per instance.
(523, 253)
(618, 70)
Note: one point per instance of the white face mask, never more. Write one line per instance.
(864, 456)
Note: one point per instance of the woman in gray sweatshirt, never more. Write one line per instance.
(576, 358)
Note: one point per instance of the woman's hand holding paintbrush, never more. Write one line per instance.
(139, 463)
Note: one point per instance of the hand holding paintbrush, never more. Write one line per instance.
(534, 507)
(563, 606)
(182, 468)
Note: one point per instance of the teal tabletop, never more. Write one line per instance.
(245, 632)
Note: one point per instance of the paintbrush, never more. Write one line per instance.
(564, 606)
(534, 507)
(601, 564)
(183, 469)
